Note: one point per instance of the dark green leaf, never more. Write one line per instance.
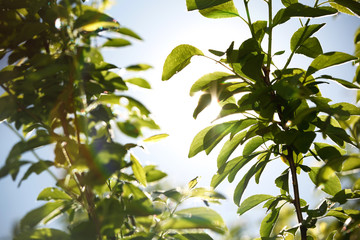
(203, 4)
(178, 59)
(116, 42)
(37, 168)
(311, 47)
(353, 5)
(327, 60)
(204, 101)
(303, 34)
(282, 181)
(195, 218)
(341, 81)
(8, 107)
(303, 141)
(268, 222)
(138, 67)
(300, 10)
(287, 3)
(251, 202)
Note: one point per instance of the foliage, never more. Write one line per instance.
(279, 113)
(60, 93)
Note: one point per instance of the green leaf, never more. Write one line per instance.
(153, 174)
(287, 3)
(259, 30)
(252, 202)
(353, 5)
(116, 42)
(138, 170)
(156, 137)
(193, 183)
(252, 145)
(52, 193)
(213, 9)
(206, 194)
(92, 20)
(341, 8)
(41, 214)
(300, 10)
(191, 236)
(311, 47)
(197, 143)
(331, 186)
(340, 81)
(204, 101)
(229, 147)
(138, 67)
(204, 82)
(139, 82)
(216, 134)
(128, 32)
(282, 181)
(268, 223)
(303, 34)
(37, 168)
(178, 59)
(327, 60)
(195, 218)
(351, 162)
(8, 107)
(43, 234)
(303, 141)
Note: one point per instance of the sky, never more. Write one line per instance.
(164, 24)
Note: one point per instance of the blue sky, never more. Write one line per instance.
(164, 24)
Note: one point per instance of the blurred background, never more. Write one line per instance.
(164, 24)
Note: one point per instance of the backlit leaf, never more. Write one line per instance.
(327, 60)
(139, 82)
(303, 34)
(178, 59)
(156, 137)
(116, 42)
(42, 233)
(195, 218)
(204, 82)
(128, 32)
(311, 47)
(37, 168)
(92, 20)
(341, 81)
(353, 5)
(331, 186)
(213, 9)
(229, 147)
(138, 67)
(252, 145)
(138, 170)
(216, 134)
(252, 202)
(197, 144)
(268, 223)
(204, 101)
(52, 193)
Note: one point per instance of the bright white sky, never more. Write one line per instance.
(164, 24)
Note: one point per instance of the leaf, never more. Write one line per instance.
(300, 10)
(197, 143)
(138, 67)
(37, 168)
(153, 174)
(331, 186)
(204, 101)
(327, 60)
(44, 234)
(41, 214)
(351, 162)
(287, 3)
(259, 30)
(268, 223)
(52, 193)
(340, 81)
(116, 42)
(353, 5)
(311, 47)
(8, 107)
(229, 147)
(138, 170)
(304, 140)
(282, 181)
(92, 20)
(128, 32)
(252, 145)
(139, 82)
(204, 82)
(156, 138)
(193, 183)
(303, 34)
(195, 218)
(216, 134)
(178, 59)
(252, 202)
(213, 9)
(206, 194)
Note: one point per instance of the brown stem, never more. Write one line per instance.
(295, 184)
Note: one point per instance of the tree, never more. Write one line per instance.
(279, 113)
(61, 94)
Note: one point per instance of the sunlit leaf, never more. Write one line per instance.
(353, 5)
(216, 134)
(341, 81)
(229, 147)
(178, 59)
(52, 193)
(138, 170)
(327, 60)
(41, 214)
(204, 82)
(197, 143)
(204, 101)
(44, 234)
(156, 137)
(206, 194)
(213, 9)
(153, 174)
(300, 10)
(287, 3)
(128, 32)
(139, 82)
(193, 183)
(252, 145)
(252, 202)
(268, 223)
(195, 218)
(138, 67)
(92, 20)
(303, 34)
(351, 162)
(116, 42)
(331, 186)
(311, 47)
